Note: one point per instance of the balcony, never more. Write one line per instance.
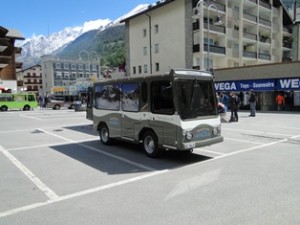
(287, 45)
(250, 17)
(219, 29)
(265, 39)
(264, 56)
(250, 36)
(212, 48)
(265, 22)
(248, 54)
(32, 76)
(33, 82)
(265, 4)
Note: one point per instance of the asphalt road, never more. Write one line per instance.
(55, 171)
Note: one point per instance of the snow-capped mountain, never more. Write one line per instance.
(36, 46)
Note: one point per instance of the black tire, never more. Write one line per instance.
(150, 144)
(3, 108)
(56, 107)
(104, 135)
(26, 108)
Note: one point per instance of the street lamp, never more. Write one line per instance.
(198, 14)
(92, 56)
(86, 52)
(217, 22)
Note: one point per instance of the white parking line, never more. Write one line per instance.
(31, 117)
(81, 193)
(48, 192)
(243, 141)
(257, 132)
(209, 151)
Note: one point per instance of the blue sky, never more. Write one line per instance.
(42, 16)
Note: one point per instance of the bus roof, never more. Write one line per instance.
(180, 73)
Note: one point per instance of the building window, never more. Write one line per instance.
(145, 51)
(80, 67)
(58, 74)
(94, 67)
(140, 69)
(145, 69)
(58, 66)
(156, 29)
(144, 32)
(73, 66)
(156, 48)
(156, 67)
(66, 66)
(87, 67)
(66, 74)
(134, 70)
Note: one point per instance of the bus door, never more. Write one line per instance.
(90, 103)
(130, 100)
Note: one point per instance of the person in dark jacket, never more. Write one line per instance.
(234, 106)
(252, 101)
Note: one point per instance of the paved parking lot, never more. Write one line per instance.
(55, 171)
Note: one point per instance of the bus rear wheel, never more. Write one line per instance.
(3, 108)
(150, 144)
(104, 134)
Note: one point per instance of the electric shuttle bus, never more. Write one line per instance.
(174, 111)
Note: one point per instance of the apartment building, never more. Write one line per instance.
(188, 34)
(30, 79)
(174, 33)
(68, 77)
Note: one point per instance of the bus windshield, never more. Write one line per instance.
(196, 98)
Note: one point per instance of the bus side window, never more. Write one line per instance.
(162, 98)
(31, 98)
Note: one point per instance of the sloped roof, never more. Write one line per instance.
(14, 34)
(150, 8)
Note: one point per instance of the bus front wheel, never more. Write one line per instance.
(56, 107)
(150, 144)
(104, 134)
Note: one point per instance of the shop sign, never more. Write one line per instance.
(288, 84)
(246, 85)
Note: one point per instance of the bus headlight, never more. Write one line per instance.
(187, 134)
(215, 131)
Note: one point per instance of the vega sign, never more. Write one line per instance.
(246, 85)
(284, 84)
(288, 84)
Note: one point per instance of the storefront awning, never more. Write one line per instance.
(58, 89)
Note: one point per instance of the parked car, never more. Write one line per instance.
(55, 104)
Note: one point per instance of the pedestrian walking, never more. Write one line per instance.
(224, 99)
(280, 102)
(252, 101)
(223, 106)
(234, 103)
